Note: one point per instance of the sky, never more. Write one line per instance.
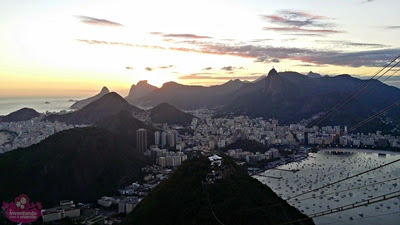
(75, 47)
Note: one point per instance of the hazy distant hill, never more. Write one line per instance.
(124, 126)
(189, 97)
(82, 103)
(20, 115)
(313, 75)
(141, 89)
(81, 164)
(182, 199)
(109, 104)
(166, 113)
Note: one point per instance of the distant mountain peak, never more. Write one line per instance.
(104, 90)
(170, 84)
(142, 82)
(141, 89)
(275, 84)
(234, 82)
(167, 113)
(82, 103)
(272, 72)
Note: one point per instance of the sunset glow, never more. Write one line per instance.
(75, 48)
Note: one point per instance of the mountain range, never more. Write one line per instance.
(286, 96)
(107, 105)
(186, 97)
(112, 104)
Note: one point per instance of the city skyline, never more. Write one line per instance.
(75, 48)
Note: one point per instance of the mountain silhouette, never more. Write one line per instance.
(109, 104)
(225, 201)
(124, 125)
(141, 89)
(82, 103)
(166, 113)
(20, 115)
(81, 164)
(291, 97)
(187, 96)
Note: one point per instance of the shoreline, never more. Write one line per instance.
(367, 151)
(388, 152)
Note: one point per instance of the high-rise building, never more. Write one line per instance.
(163, 139)
(141, 140)
(306, 138)
(171, 139)
(176, 134)
(157, 137)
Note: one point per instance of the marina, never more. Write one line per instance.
(371, 198)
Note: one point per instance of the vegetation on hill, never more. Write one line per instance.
(235, 199)
(81, 164)
(166, 113)
(124, 126)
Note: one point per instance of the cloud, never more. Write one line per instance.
(353, 44)
(98, 22)
(165, 67)
(298, 29)
(261, 40)
(158, 67)
(376, 58)
(97, 42)
(308, 65)
(128, 68)
(187, 36)
(267, 60)
(392, 27)
(300, 23)
(208, 68)
(231, 68)
(209, 76)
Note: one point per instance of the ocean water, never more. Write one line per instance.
(56, 104)
(329, 166)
